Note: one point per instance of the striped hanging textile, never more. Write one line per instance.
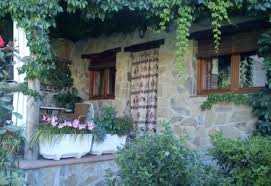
(144, 89)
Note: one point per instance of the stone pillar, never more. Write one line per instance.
(27, 106)
(19, 100)
(32, 120)
(123, 83)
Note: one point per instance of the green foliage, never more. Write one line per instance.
(183, 32)
(5, 63)
(113, 124)
(68, 99)
(159, 159)
(53, 129)
(219, 13)
(261, 103)
(58, 77)
(259, 7)
(48, 133)
(264, 51)
(238, 99)
(123, 125)
(246, 74)
(36, 17)
(23, 88)
(10, 139)
(5, 98)
(245, 162)
(261, 107)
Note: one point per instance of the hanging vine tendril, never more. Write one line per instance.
(183, 27)
(219, 14)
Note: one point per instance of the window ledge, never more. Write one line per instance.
(43, 163)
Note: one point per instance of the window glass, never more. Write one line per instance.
(218, 73)
(98, 89)
(252, 73)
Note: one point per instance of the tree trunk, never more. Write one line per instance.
(32, 121)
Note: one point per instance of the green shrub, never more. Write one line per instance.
(261, 106)
(246, 162)
(11, 140)
(158, 159)
(68, 99)
(112, 123)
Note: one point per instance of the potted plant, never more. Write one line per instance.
(68, 99)
(11, 142)
(63, 139)
(117, 129)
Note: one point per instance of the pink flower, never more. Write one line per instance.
(60, 126)
(67, 123)
(54, 123)
(76, 123)
(90, 125)
(44, 118)
(48, 119)
(2, 42)
(53, 119)
(82, 126)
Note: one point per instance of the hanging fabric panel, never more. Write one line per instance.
(144, 89)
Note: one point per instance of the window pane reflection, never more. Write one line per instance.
(217, 73)
(252, 73)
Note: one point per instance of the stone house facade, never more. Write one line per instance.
(178, 101)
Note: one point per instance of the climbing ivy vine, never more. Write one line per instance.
(183, 25)
(237, 99)
(37, 16)
(219, 14)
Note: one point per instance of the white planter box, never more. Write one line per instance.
(109, 145)
(70, 145)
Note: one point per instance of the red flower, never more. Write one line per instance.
(2, 42)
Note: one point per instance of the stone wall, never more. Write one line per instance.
(178, 103)
(84, 174)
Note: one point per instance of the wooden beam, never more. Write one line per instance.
(231, 29)
(144, 46)
(103, 54)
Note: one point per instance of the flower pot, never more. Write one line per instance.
(67, 146)
(109, 145)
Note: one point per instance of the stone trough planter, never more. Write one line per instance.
(109, 145)
(68, 146)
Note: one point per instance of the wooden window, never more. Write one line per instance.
(237, 72)
(102, 73)
(235, 68)
(102, 83)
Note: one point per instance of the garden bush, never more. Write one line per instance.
(68, 99)
(246, 162)
(113, 124)
(159, 159)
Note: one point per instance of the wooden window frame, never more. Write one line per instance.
(106, 95)
(235, 78)
(106, 62)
